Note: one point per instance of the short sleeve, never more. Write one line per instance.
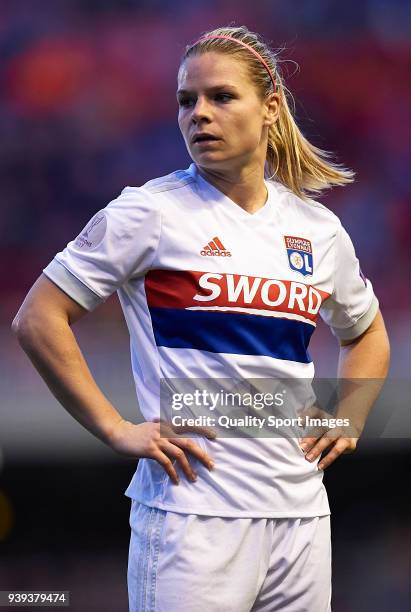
(352, 306)
(118, 243)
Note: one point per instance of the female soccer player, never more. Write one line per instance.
(221, 271)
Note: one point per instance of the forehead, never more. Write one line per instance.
(212, 69)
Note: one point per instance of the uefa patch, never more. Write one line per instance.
(300, 254)
(93, 233)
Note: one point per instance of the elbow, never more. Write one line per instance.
(387, 353)
(15, 325)
(19, 325)
(41, 315)
(25, 327)
(380, 351)
(383, 343)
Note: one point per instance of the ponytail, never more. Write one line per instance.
(294, 161)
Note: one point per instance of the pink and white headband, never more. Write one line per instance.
(240, 42)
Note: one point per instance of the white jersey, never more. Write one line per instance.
(211, 291)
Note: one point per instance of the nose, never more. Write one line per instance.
(201, 110)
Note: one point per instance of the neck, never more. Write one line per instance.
(246, 188)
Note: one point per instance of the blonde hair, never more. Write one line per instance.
(291, 158)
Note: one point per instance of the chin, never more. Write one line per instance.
(208, 161)
(211, 159)
(218, 163)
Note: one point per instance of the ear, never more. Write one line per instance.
(271, 109)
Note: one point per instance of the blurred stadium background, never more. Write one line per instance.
(87, 105)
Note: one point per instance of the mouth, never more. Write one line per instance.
(204, 138)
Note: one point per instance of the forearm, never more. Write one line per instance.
(52, 347)
(362, 369)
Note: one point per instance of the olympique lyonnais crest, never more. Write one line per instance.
(300, 254)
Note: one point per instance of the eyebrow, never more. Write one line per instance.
(209, 89)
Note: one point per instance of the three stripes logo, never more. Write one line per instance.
(215, 248)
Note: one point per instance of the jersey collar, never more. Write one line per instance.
(210, 192)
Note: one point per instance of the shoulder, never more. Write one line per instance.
(150, 195)
(307, 210)
(169, 182)
(161, 184)
(155, 192)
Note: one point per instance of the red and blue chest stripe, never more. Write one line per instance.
(232, 313)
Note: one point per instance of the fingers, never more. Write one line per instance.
(339, 447)
(203, 431)
(313, 432)
(307, 444)
(168, 430)
(179, 455)
(319, 447)
(172, 447)
(339, 444)
(167, 464)
(195, 450)
(318, 439)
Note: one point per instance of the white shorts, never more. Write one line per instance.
(192, 563)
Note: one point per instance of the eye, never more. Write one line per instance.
(223, 97)
(185, 102)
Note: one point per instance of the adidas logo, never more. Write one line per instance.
(215, 248)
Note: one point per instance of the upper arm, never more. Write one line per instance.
(46, 300)
(377, 325)
(352, 307)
